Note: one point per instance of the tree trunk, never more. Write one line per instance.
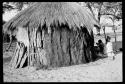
(114, 31)
(115, 35)
(115, 40)
(104, 32)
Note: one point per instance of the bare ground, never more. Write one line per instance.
(103, 70)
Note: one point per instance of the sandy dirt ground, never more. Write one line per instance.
(103, 70)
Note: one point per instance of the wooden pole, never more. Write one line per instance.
(12, 60)
(28, 56)
(23, 61)
(20, 54)
(16, 56)
(104, 32)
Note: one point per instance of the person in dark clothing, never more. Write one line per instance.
(100, 45)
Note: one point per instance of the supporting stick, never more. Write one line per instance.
(15, 59)
(23, 60)
(28, 56)
(20, 55)
(12, 60)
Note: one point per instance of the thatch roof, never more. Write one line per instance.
(41, 13)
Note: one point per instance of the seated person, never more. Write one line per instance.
(100, 45)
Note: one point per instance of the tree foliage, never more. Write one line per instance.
(111, 9)
(8, 6)
(106, 8)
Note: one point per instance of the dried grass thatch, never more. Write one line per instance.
(50, 13)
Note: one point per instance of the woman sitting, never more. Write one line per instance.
(109, 48)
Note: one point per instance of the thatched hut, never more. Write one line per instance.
(52, 34)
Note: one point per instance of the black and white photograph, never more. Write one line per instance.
(62, 42)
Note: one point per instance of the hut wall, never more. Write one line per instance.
(60, 47)
(67, 47)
